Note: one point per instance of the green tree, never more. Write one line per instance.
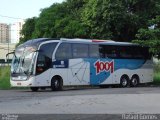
(28, 28)
(150, 36)
(61, 20)
(118, 19)
(47, 19)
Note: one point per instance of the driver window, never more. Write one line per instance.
(44, 60)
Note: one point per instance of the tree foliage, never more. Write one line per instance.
(61, 20)
(150, 36)
(28, 29)
(119, 20)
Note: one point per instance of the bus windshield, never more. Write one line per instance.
(23, 61)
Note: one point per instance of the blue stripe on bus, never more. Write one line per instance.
(99, 75)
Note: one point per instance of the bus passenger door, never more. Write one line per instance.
(43, 69)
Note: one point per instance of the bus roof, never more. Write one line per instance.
(96, 41)
(37, 42)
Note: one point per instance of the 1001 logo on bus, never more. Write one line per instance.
(104, 66)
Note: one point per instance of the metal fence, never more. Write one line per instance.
(4, 62)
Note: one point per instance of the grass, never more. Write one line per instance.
(156, 74)
(4, 77)
(156, 78)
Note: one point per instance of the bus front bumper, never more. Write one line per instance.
(29, 82)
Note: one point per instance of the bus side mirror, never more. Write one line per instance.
(38, 51)
(9, 54)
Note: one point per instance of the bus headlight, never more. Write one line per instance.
(20, 78)
(23, 77)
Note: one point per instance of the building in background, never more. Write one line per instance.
(10, 33)
(15, 31)
(4, 33)
(4, 49)
(9, 37)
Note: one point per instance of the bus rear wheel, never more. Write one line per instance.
(124, 81)
(34, 89)
(134, 81)
(56, 84)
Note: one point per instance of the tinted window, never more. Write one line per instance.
(94, 51)
(80, 50)
(146, 53)
(111, 51)
(102, 51)
(125, 51)
(64, 51)
(141, 53)
(108, 51)
(133, 52)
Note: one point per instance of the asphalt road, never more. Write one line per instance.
(86, 103)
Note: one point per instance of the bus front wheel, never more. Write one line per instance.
(56, 84)
(124, 81)
(34, 89)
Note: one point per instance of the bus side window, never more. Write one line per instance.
(146, 53)
(142, 53)
(94, 51)
(125, 52)
(138, 52)
(102, 51)
(110, 51)
(80, 50)
(63, 51)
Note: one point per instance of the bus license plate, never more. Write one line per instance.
(18, 83)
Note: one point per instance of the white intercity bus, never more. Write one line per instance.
(54, 63)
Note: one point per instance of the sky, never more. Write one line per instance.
(22, 9)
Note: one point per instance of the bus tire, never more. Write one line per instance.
(56, 83)
(43, 88)
(134, 81)
(124, 81)
(34, 89)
